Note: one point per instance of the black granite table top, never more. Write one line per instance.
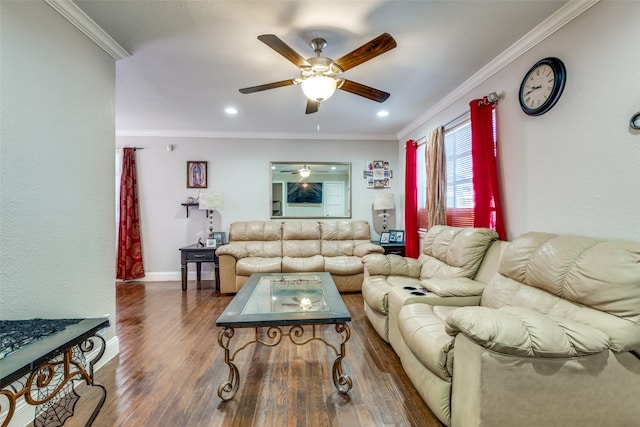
(48, 340)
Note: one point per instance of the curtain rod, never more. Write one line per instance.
(493, 97)
(417, 141)
(134, 148)
(450, 122)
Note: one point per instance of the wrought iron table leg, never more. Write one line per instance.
(340, 380)
(228, 389)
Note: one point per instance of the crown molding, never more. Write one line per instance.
(72, 13)
(253, 135)
(553, 23)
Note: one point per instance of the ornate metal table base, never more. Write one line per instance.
(52, 382)
(274, 334)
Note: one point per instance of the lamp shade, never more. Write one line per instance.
(383, 201)
(211, 201)
(319, 88)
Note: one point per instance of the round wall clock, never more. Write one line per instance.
(542, 86)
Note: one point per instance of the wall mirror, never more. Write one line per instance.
(310, 190)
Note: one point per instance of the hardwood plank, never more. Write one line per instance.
(170, 366)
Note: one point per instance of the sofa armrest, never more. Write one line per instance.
(524, 332)
(391, 265)
(457, 287)
(363, 249)
(236, 250)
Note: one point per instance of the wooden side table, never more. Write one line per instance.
(198, 254)
(392, 248)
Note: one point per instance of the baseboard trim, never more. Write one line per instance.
(172, 276)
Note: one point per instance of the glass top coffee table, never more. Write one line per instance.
(284, 303)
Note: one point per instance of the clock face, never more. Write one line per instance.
(538, 86)
(542, 86)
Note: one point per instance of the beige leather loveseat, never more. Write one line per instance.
(333, 246)
(446, 269)
(555, 340)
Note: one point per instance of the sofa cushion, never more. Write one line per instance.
(583, 279)
(250, 265)
(453, 251)
(523, 332)
(339, 238)
(458, 287)
(374, 293)
(260, 239)
(345, 230)
(375, 290)
(255, 231)
(343, 265)
(422, 329)
(388, 265)
(301, 264)
(362, 249)
(300, 238)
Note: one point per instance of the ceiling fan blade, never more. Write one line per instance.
(312, 106)
(381, 44)
(283, 49)
(267, 86)
(365, 91)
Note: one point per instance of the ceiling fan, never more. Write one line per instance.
(318, 74)
(304, 171)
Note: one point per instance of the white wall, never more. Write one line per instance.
(575, 169)
(239, 169)
(57, 141)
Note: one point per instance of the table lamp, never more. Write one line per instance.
(383, 202)
(211, 202)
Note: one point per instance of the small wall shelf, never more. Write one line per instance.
(186, 205)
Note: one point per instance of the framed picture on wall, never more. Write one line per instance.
(196, 174)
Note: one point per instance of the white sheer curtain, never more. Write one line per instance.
(436, 165)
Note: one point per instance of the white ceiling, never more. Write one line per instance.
(189, 58)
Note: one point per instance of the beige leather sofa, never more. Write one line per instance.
(333, 246)
(555, 340)
(443, 274)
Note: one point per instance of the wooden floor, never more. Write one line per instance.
(170, 366)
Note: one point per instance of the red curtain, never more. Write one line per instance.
(412, 244)
(129, 245)
(484, 150)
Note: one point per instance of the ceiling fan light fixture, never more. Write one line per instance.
(305, 172)
(319, 88)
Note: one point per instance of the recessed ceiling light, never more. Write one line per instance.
(383, 113)
(230, 110)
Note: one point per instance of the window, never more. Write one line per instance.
(460, 195)
(457, 143)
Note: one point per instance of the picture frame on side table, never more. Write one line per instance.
(384, 237)
(219, 237)
(398, 236)
(196, 174)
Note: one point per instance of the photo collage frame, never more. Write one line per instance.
(378, 174)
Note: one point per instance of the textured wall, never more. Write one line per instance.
(239, 169)
(575, 169)
(57, 154)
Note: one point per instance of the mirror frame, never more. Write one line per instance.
(274, 164)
